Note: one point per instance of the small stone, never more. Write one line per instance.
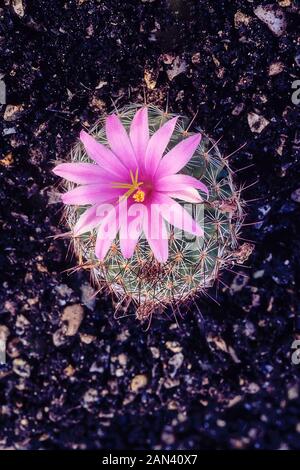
(95, 367)
(275, 68)
(101, 84)
(258, 274)
(138, 382)
(90, 397)
(176, 361)
(59, 337)
(257, 123)
(18, 7)
(171, 383)
(72, 316)
(196, 58)
(12, 112)
(9, 131)
(293, 392)
(7, 160)
(150, 77)
(168, 438)
(86, 339)
(21, 324)
(155, 352)
(179, 66)
(295, 196)
(122, 358)
(168, 59)
(238, 109)
(241, 18)
(253, 388)
(221, 423)
(174, 346)
(69, 371)
(13, 348)
(4, 333)
(273, 17)
(63, 290)
(21, 367)
(88, 297)
(285, 3)
(249, 329)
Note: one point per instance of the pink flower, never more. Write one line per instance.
(132, 187)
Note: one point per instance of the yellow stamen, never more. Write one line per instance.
(132, 187)
(139, 196)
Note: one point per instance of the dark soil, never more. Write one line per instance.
(222, 378)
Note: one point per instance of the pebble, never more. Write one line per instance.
(293, 392)
(285, 3)
(174, 346)
(295, 196)
(138, 382)
(73, 316)
(196, 58)
(21, 367)
(179, 66)
(21, 324)
(69, 371)
(12, 112)
(91, 396)
(155, 352)
(253, 388)
(238, 109)
(275, 68)
(59, 337)
(257, 123)
(168, 437)
(88, 297)
(176, 361)
(122, 358)
(273, 17)
(4, 333)
(258, 274)
(86, 339)
(18, 7)
(241, 18)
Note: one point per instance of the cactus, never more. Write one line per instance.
(194, 263)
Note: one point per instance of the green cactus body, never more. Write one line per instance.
(194, 263)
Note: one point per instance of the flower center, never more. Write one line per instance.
(139, 196)
(133, 188)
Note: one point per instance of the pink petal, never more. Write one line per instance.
(176, 215)
(87, 221)
(90, 194)
(119, 142)
(187, 195)
(179, 156)
(82, 173)
(177, 182)
(155, 231)
(107, 232)
(139, 133)
(158, 144)
(131, 230)
(102, 155)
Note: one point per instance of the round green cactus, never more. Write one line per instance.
(194, 262)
